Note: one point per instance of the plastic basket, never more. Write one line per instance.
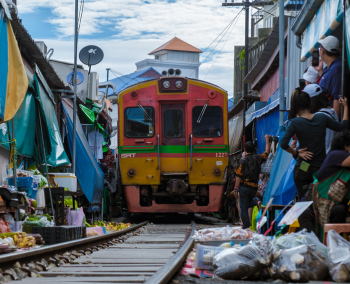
(28, 190)
(204, 256)
(22, 181)
(34, 192)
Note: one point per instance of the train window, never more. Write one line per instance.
(210, 122)
(173, 123)
(139, 122)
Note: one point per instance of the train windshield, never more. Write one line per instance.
(139, 122)
(210, 124)
(173, 123)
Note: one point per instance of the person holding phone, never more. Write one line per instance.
(331, 75)
(310, 130)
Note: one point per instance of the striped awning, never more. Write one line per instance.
(326, 20)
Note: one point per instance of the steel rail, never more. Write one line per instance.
(30, 255)
(164, 274)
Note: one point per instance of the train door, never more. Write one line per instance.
(173, 143)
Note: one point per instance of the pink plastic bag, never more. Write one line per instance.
(75, 218)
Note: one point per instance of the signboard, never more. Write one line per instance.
(80, 78)
(294, 213)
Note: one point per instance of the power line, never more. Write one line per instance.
(223, 45)
(223, 31)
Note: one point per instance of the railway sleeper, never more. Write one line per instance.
(31, 269)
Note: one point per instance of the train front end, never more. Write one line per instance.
(173, 145)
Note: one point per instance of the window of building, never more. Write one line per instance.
(139, 122)
(210, 125)
(173, 126)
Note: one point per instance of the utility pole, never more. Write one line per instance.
(246, 5)
(74, 149)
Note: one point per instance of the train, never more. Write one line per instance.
(173, 145)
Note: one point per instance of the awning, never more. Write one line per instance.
(56, 156)
(13, 78)
(89, 173)
(293, 4)
(235, 127)
(327, 19)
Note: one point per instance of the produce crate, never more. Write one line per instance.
(28, 190)
(58, 234)
(22, 181)
(204, 256)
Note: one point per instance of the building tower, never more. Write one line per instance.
(175, 54)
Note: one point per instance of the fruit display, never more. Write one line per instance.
(110, 227)
(20, 239)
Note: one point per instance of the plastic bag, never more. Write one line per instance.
(268, 251)
(339, 257)
(40, 198)
(11, 222)
(238, 263)
(75, 218)
(299, 264)
(38, 221)
(224, 233)
(303, 238)
(4, 227)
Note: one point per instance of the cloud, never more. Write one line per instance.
(132, 28)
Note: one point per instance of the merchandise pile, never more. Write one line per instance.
(296, 257)
(101, 227)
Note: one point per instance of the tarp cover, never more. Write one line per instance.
(267, 124)
(57, 156)
(326, 20)
(89, 173)
(235, 127)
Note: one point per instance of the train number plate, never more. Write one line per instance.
(123, 156)
(221, 155)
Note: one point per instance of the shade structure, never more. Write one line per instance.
(88, 171)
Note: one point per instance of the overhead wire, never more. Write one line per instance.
(223, 31)
(223, 44)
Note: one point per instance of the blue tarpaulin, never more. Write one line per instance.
(88, 171)
(267, 123)
(281, 184)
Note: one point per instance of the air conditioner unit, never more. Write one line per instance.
(93, 86)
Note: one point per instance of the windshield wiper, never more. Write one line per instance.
(202, 113)
(144, 112)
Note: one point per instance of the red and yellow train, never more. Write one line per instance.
(173, 145)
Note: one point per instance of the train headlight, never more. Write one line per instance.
(216, 171)
(131, 172)
(166, 84)
(178, 84)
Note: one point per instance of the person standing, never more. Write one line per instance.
(331, 75)
(247, 178)
(319, 104)
(311, 131)
(311, 76)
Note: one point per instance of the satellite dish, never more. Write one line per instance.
(91, 55)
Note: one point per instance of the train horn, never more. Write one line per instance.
(164, 73)
(177, 72)
(171, 72)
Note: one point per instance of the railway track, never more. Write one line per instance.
(153, 256)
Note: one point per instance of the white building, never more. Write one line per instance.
(175, 54)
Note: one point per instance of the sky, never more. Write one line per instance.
(127, 30)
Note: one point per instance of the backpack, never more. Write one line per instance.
(252, 167)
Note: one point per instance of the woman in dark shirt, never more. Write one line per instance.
(310, 130)
(336, 161)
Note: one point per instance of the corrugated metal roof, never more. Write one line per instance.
(306, 14)
(125, 81)
(24, 39)
(269, 49)
(176, 44)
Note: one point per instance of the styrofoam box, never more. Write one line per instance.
(66, 180)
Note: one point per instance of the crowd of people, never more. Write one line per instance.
(319, 130)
